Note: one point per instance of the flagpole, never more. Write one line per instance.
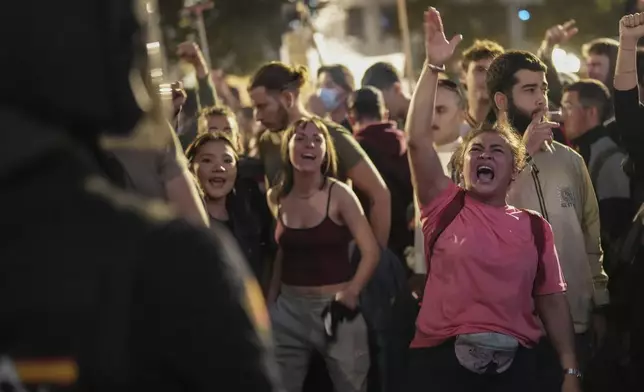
(198, 7)
(403, 21)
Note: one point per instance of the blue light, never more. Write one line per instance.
(524, 15)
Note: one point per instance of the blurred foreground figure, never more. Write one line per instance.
(100, 291)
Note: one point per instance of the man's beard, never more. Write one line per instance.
(518, 119)
(282, 118)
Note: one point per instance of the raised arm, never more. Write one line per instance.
(428, 177)
(628, 110)
(631, 29)
(191, 53)
(555, 36)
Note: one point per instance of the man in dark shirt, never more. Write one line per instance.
(386, 147)
(629, 115)
(386, 78)
(102, 291)
(586, 106)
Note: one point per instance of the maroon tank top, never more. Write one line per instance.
(315, 256)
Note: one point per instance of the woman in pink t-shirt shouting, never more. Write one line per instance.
(494, 268)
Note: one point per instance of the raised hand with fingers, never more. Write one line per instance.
(438, 49)
(538, 133)
(632, 26)
(560, 34)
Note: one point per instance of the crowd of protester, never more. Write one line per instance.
(482, 234)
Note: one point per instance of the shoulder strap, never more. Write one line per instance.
(328, 200)
(446, 217)
(599, 162)
(536, 225)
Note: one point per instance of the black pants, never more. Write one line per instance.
(437, 369)
(550, 373)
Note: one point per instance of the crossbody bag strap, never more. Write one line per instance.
(446, 217)
(539, 236)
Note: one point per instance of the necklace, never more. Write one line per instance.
(310, 195)
(307, 196)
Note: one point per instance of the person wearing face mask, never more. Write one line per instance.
(275, 93)
(335, 84)
(558, 186)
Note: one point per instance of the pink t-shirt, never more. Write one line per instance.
(483, 273)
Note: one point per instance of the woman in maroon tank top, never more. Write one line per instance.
(317, 218)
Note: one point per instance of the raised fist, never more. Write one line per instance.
(632, 26)
(437, 48)
(190, 52)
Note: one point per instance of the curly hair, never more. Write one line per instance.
(509, 135)
(220, 111)
(329, 167)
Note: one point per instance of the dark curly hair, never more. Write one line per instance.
(501, 76)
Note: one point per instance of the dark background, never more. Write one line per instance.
(244, 33)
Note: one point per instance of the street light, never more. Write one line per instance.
(516, 16)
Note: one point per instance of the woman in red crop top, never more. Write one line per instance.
(317, 218)
(494, 267)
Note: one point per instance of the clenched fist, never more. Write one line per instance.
(632, 26)
(190, 52)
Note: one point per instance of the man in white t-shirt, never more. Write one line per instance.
(450, 113)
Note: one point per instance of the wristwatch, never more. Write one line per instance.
(572, 372)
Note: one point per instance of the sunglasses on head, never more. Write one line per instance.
(448, 84)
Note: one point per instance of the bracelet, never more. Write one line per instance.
(572, 372)
(435, 68)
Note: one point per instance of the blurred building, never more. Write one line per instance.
(372, 25)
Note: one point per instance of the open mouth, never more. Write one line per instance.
(485, 173)
(217, 181)
(308, 156)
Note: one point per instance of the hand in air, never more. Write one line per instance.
(538, 133)
(560, 34)
(632, 26)
(190, 52)
(437, 48)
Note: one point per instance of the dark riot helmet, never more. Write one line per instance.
(91, 67)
